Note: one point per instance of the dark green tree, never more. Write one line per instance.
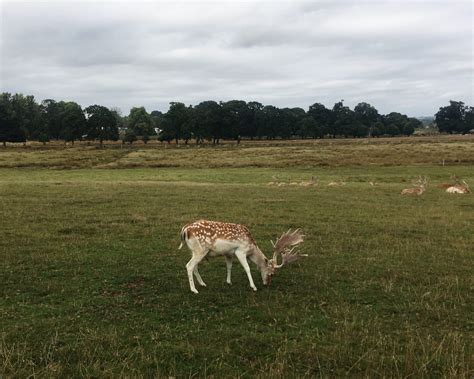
(469, 119)
(208, 122)
(101, 124)
(255, 117)
(411, 125)
(309, 128)
(236, 118)
(140, 122)
(176, 124)
(451, 119)
(346, 122)
(366, 116)
(52, 112)
(322, 116)
(10, 122)
(394, 120)
(73, 122)
(130, 136)
(166, 133)
(27, 114)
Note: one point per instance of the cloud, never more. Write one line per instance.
(409, 56)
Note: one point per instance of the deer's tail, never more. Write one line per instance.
(184, 237)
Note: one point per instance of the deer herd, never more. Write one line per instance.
(206, 238)
(457, 187)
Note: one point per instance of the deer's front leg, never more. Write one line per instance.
(228, 262)
(242, 257)
(198, 276)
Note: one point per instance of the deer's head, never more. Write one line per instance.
(284, 247)
(466, 186)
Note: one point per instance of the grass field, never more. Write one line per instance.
(92, 283)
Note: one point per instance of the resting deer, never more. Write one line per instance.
(418, 190)
(308, 183)
(460, 187)
(211, 238)
(336, 184)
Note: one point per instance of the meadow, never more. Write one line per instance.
(93, 285)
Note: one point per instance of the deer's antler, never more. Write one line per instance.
(285, 245)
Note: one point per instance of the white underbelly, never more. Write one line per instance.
(223, 247)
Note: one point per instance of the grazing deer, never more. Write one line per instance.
(418, 190)
(460, 187)
(211, 238)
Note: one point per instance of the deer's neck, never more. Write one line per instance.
(258, 258)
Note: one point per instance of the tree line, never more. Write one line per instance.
(22, 119)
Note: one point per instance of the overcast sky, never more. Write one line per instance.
(406, 56)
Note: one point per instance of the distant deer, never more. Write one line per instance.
(308, 183)
(418, 190)
(445, 186)
(274, 181)
(336, 184)
(461, 187)
(211, 238)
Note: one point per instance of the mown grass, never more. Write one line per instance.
(92, 283)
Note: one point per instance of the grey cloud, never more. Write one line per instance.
(405, 57)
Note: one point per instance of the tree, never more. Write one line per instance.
(346, 122)
(130, 136)
(469, 119)
(208, 122)
(367, 116)
(308, 127)
(119, 118)
(73, 122)
(289, 121)
(255, 117)
(52, 117)
(10, 122)
(411, 125)
(176, 123)
(166, 133)
(236, 118)
(378, 129)
(27, 114)
(101, 124)
(451, 119)
(322, 116)
(140, 122)
(156, 117)
(395, 120)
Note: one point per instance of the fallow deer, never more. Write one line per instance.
(308, 183)
(460, 187)
(336, 184)
(418, 190)
(211, 238)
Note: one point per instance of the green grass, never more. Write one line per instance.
(92, 283)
